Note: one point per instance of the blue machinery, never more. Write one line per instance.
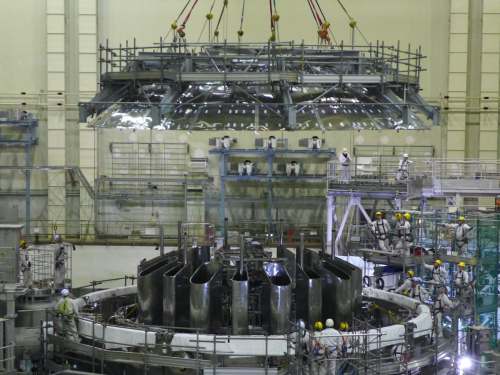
(269, 177)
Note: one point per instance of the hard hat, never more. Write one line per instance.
(65, 292)
(438, 262)
(302, 324)
(378, 213)
(461, 264)
(344, 326)
(407, 215)
(397, 216)
(329, 322)
(344, 150)
(461, 218)
(22, 242)
(405, 155)
(318, 326)
(57, 237)
(417, 279)
(411, 273)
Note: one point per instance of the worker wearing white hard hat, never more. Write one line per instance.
(332, 343)
(462, 231)
(417, 291)
(26, 269)
(345, 166)
(403, 168)
(405, 235)
(67, 310)
(382, 228)
(60, 257)
(301, 341)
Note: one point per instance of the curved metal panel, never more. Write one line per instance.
(206, 298)
(239, 302)
(283, 252)
(356, 279)
(148, 263)
(176, 282)
(280, 298)
(336, 293)
(149, 287)
(196, 256)
(308, 287)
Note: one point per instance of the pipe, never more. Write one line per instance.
(226, 240)
(194, 242)
(162, 244)
(185, 248)
(329, 218)
(242, 248)
(302, 250)
(179, 233)
(281, 232)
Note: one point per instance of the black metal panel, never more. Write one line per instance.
(175, 296)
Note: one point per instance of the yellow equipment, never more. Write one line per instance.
(397, 217)
(318, 326)
(438, 262)
(407, 215)
(344, 326)
(461, 218)
(461, 264)
(378, 213)
(411, 273)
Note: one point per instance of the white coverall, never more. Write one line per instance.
(68, 309)
(301, 342)
(439, 276)
(26, 270)
(59, 263)
(441, 302)
(345, 168)
(332, 345)
(397, 232)
(406, 286)
(318, 366)
(382, 229)
(403, 169)
(461, 240)
(405, 238)
(419, 293)
(460, 279)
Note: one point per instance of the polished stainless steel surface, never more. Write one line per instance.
(226, 236)
(279, 298)
(206, 298)
(308, 289)
(301, 250)
(197, 256)
(162, 245)
(336, 293)
(356, 279)
(291, 261)
(185, 248)
(176, 285)
(149, 288)
(242, 252)
(239, 301)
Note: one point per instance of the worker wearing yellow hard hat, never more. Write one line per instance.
(344, 328)
(461, 237)
(406, 284)
(461, 279)
(381, 228)
(405, 235)
(439, 275)
(318, 349)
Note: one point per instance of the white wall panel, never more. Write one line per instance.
(491, 43)
(490, 63)
(55, 62)
(88, 43)
(55, 43)
(87, 24)
(55, 81)
(458, 23)
(458, 42)
(55, 24)
(88, 63)
(458, 62)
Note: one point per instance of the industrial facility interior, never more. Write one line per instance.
(263, 187)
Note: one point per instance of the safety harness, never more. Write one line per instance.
(404, 234)
(418, 294)
(437, 271)
(64, 310)
(381, 234)
(460, 275)
(440, 308)
(60, 262)
(25, 266)
(317, 345)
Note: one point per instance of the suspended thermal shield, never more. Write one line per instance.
(277, 296)
(239, 302)
(356, 280)
(308, 288)
(283, 252)
(147, 263)
(337, 297)
(149, 288)
(176, 285)
(196, 256)
(206, 298)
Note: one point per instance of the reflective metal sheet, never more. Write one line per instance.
(356, 279)
(308, 296)
(176, 284)
(279, 298)
(149, 288)
(239, 302)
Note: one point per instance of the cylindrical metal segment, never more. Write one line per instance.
(356, 279)
(280, 298)
(309, 296)
(206, 298)
(239, 303)
(149, 290)
(176, 284)
(162, 245)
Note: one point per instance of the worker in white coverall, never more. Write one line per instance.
(461, 232)
(439, 275)
(318, 365)
(301, 341)
(405, 236)
(406, 284)
(398, 221)
(26, 270)
(332, 343)
(345, 166)
(403, 168)
(67, 311)
(461, 279)
(417, 291)
(382, 229)
(60, 257)
(441, 302)
(344, 346)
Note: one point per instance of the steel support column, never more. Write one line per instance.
(473, 85)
